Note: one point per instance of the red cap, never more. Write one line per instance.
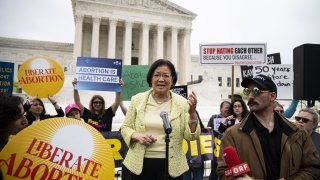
(71, 106)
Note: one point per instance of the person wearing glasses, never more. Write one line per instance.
(308, 119)
(237, 110)
(273, 147)
(143, 131)
(97, 115)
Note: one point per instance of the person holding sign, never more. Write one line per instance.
(237, 110)
(97, 116)
(12, 119)
(143, 130)
(36, 111)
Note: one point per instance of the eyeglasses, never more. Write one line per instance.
(237, 106)
(255, 91)
(304, 120)
(164, 76)
(97, 102)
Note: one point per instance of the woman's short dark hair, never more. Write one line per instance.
(158, 63)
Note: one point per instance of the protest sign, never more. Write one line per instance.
(282, 76)
(237, 54)
(57, 148)
(99, 74)
(6, 77)
(41, 76)
(246, 72)
(274, 58)
(181, 90)
(216, 122)
(135, 80)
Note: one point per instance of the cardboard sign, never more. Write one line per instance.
(6, 77)
(282, 76)
(135, 80)
(57, 148)
(99, 74)
(41, 76)
(237, 54)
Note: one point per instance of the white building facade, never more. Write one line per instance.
(136, 31)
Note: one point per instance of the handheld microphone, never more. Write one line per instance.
(235, 167)
(166, 125)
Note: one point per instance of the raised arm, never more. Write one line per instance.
(53, 102)
(193, 118)
(58, 109)
(288, 113)
(117, 100)
(76, 96)
(123, 108)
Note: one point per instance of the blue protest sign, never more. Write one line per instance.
(6, 77)
(101, 74)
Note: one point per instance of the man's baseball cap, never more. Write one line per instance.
(71, 106)
(263, 82)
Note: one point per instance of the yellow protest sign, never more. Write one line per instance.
(41, 76)
(57, 148)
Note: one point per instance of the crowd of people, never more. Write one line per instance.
(259, 131)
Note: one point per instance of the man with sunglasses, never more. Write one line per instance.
(308, 119)
(273, 147)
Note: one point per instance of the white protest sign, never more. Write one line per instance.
(282, 76)
(238, 54)
(216, 122)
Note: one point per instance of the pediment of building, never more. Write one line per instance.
(155, 5)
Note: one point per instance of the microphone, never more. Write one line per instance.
(235, 167)
(166, 125)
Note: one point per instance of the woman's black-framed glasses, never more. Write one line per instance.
(255, 91)
(304, 120)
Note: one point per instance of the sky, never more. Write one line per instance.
(282, 24)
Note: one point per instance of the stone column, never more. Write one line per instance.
(77, 47)
(112, 38)
(174, 46)
(127, 43)
(95, 36)
(185, 58)
(144, 50)
(160, 29)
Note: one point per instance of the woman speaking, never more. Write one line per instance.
(143, 129)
